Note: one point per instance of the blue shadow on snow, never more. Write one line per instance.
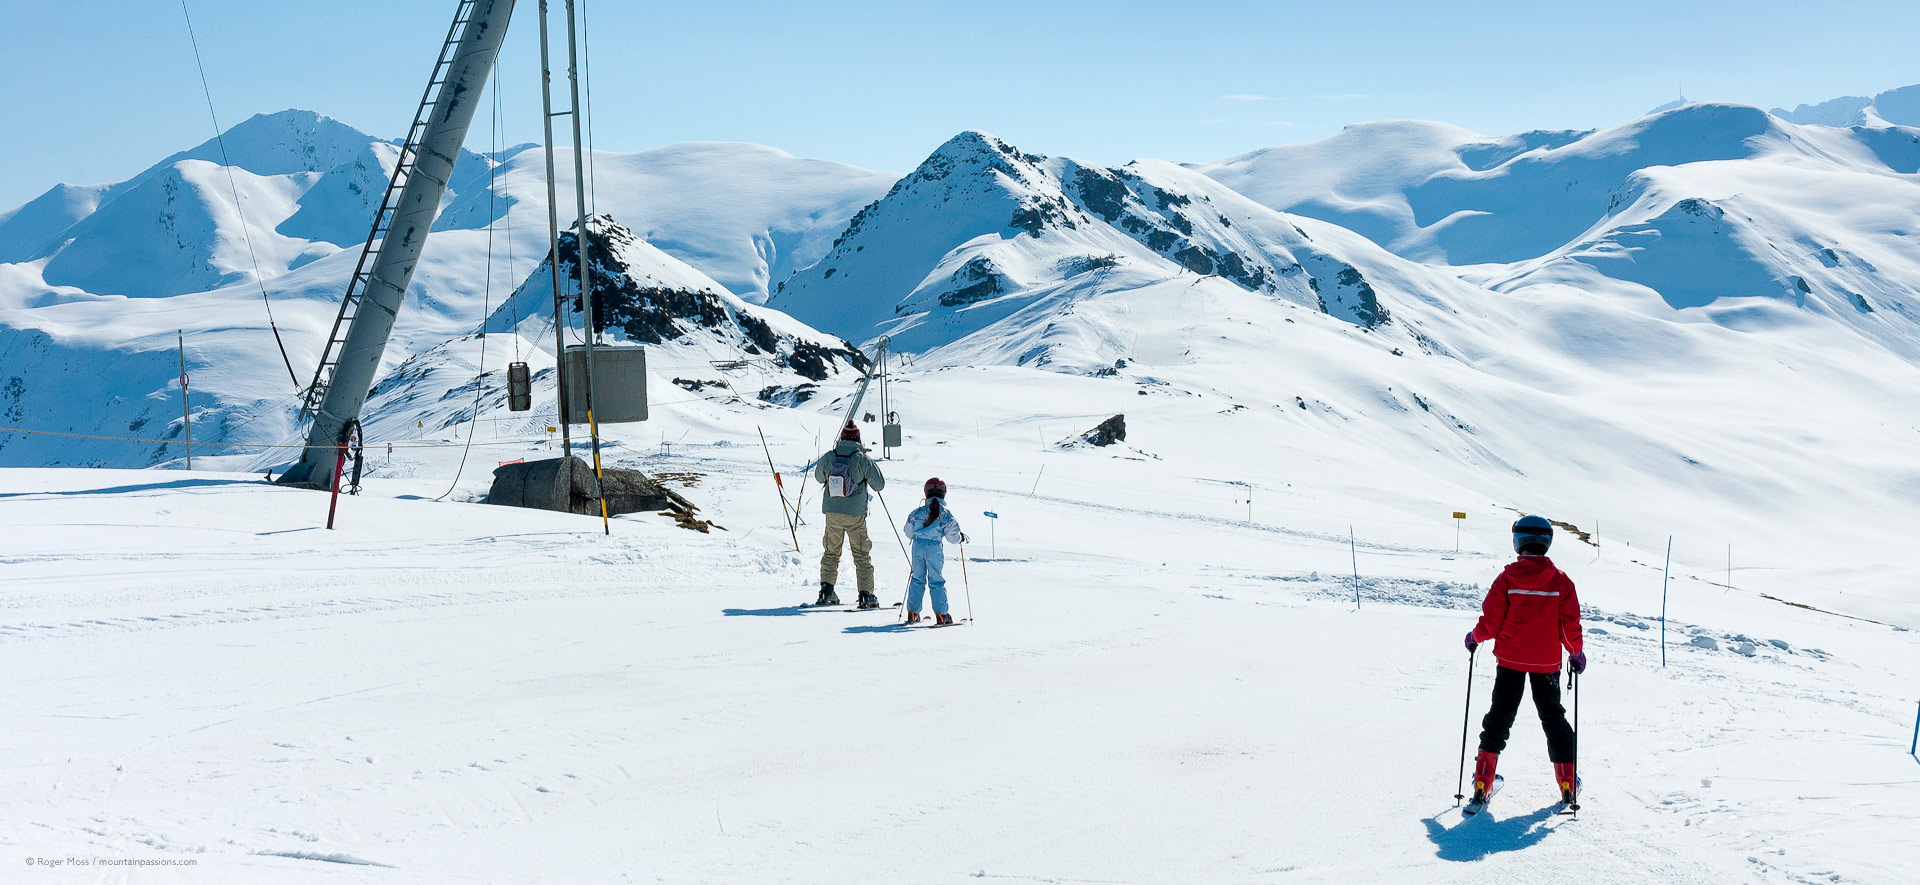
(144, 487)
(1476, 837)
(781, 612)
(877, 628)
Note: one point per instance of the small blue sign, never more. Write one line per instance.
(990, 514)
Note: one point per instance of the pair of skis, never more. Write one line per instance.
(925, 622)
(931, 623)
(809, 606)
(1479, 803)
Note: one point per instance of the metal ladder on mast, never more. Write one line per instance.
(389, 203)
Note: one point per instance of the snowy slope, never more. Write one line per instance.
(450, 692)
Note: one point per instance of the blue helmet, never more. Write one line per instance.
(1532, 530)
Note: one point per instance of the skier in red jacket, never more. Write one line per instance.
(1530, 614)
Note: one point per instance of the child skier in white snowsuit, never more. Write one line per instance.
(929, 524)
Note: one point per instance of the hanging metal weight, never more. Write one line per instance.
(519, 387)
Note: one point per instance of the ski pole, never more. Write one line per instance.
(780, 487)
(806, 473)
(964, 582)
(903, 550)
(1914, 748)
(1466, 715)
(1573, 685)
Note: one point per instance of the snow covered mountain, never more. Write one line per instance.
(1897, 107)
(1707, 252)
(1439, 193)
(982, 231)
(103, 276)
(309, 186)
(1718, 207)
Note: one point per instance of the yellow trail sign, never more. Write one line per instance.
(1458, 515)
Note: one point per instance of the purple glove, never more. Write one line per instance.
(1579, 661)
(1471, 643)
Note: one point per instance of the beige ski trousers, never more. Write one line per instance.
(853, 529)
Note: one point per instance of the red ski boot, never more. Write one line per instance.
(1485, 781)
(1563, 774)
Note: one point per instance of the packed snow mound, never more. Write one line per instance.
(982, 230)
(1898, 107)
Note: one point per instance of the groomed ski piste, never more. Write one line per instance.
(1157, 686)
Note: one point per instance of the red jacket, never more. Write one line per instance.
(1530, 613)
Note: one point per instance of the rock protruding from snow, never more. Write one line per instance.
(1106, 433)
(643, 295)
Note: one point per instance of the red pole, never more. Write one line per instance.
(339, 464)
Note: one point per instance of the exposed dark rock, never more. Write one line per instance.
(978, 280)
(655, 314)
(1110, 431)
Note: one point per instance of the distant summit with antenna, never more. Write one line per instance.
(1676, 103)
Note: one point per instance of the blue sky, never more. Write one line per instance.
(93, 91)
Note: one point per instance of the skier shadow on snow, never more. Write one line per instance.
(877, 628)
(1477, 837)
(784, 611)
(143, 487)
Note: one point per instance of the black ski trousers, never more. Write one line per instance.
(1498, 725)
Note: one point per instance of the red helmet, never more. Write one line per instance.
(851, 431)
(934, 488)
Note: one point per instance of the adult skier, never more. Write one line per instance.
(846, 473)
(1530, 614)
(930, 524)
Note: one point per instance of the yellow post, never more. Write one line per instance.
(599, 476)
